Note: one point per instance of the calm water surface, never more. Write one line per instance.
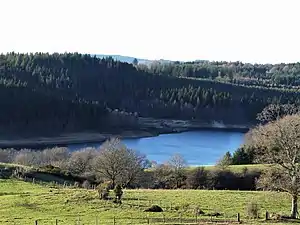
(197, 147)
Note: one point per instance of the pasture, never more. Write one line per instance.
(23, 203)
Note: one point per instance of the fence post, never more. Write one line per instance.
(78, 220)
(148, 220)
(56, 222)
(238, 217)
(267, 215)
(114, 220)
(36, 222)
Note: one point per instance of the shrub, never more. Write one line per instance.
(118, 192)
(197, 179)
(103, 190)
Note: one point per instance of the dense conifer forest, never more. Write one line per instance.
(70, 92)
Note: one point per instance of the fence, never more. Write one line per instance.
(77, 220)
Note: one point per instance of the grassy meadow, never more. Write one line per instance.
(23, 203)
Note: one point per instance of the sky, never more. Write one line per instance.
(262, 31)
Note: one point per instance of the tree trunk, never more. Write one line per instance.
(294, 210)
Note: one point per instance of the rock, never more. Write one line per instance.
(275, 216)
(154, 208)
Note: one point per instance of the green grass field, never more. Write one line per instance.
(240, 168)
(23, 203)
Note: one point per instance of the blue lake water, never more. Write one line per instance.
(197, 147)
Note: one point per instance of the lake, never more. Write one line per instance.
(204, 147)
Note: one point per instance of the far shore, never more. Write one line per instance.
(64, 140)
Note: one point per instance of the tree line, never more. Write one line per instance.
(54, 93)
(114, 164)
(266, 75)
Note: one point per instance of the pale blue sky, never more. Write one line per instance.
(245, 30)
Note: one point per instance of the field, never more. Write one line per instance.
(23, 203)
(240, 168)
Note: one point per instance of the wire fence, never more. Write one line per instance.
(98, 220)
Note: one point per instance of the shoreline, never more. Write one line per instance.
(94, 137)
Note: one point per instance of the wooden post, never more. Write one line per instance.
(267, 215)
(36, 222)
(56, 222)
(238, 217)
(148, 220)
(180, 218)
(114, 220)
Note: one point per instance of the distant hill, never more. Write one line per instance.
(129, 59)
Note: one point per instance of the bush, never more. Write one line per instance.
(197, 179)
(252, 210)
(118, 192)
(103, 190)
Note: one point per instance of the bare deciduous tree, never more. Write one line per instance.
(162, 175)
(279, 144)
(134, 167)
(178, 164)
(117, 163)
(7, 155)
(81, 162)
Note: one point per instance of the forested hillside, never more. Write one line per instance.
(74, 92)
(266, 75)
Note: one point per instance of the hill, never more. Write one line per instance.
(54, 94)
(129, 59)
